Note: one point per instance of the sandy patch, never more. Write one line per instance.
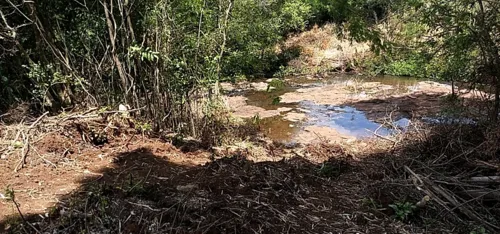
(284, 109)
(241, 109)
(312, 134)
(331, 94)
(295, 117)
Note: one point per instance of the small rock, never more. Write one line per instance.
(227, 86)
(122, 107)
(363, 94)
(291, 145)
(314, 218)
(261, 86)
(350, 83)
(402, 123)
(284, 109)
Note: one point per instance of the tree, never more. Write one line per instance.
(465, 35)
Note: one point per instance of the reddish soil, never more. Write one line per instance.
(135, 184)
(144, 183)
(62, 160)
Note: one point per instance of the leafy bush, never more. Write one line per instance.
(403, 209)
(404, 68)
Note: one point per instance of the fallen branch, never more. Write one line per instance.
(485, 179)
(38, 120)
(382, 137)
(487, 164)
(145, 206)
(24, 153)
(485, 194)
(11, 197)
(3, 115)
(124, 111)
(44, 159)
(26, 140)
(431, 188)
(79, 117)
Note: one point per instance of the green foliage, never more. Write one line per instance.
(479, 230)
(17, 145)
(276, 100)
(156, 53)
(275, 84)
(10, 194)
(143, 127)
(295, 14)
(256, 120)
(255, 30)
(143, 53)
(442, 38)
(285, 71)
(411, 65)
(403, 209)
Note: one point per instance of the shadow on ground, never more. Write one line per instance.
(144, 192)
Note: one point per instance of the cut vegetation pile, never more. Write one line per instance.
(437, 180)
(456, 168)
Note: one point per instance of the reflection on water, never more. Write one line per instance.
(265, 99)
(279, 129)
(344, 119)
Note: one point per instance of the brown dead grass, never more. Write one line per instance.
(322, 50)
(135, 184)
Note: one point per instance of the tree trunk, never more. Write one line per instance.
(112, 38)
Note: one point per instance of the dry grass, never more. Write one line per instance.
(451, 165)
(322, 50)
(322, 188)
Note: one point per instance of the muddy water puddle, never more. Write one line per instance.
(347, 121)
(308, 108)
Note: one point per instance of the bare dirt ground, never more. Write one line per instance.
(147, 185)
(60, 159)
(136, 184)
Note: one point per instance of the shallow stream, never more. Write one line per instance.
(346, 120)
